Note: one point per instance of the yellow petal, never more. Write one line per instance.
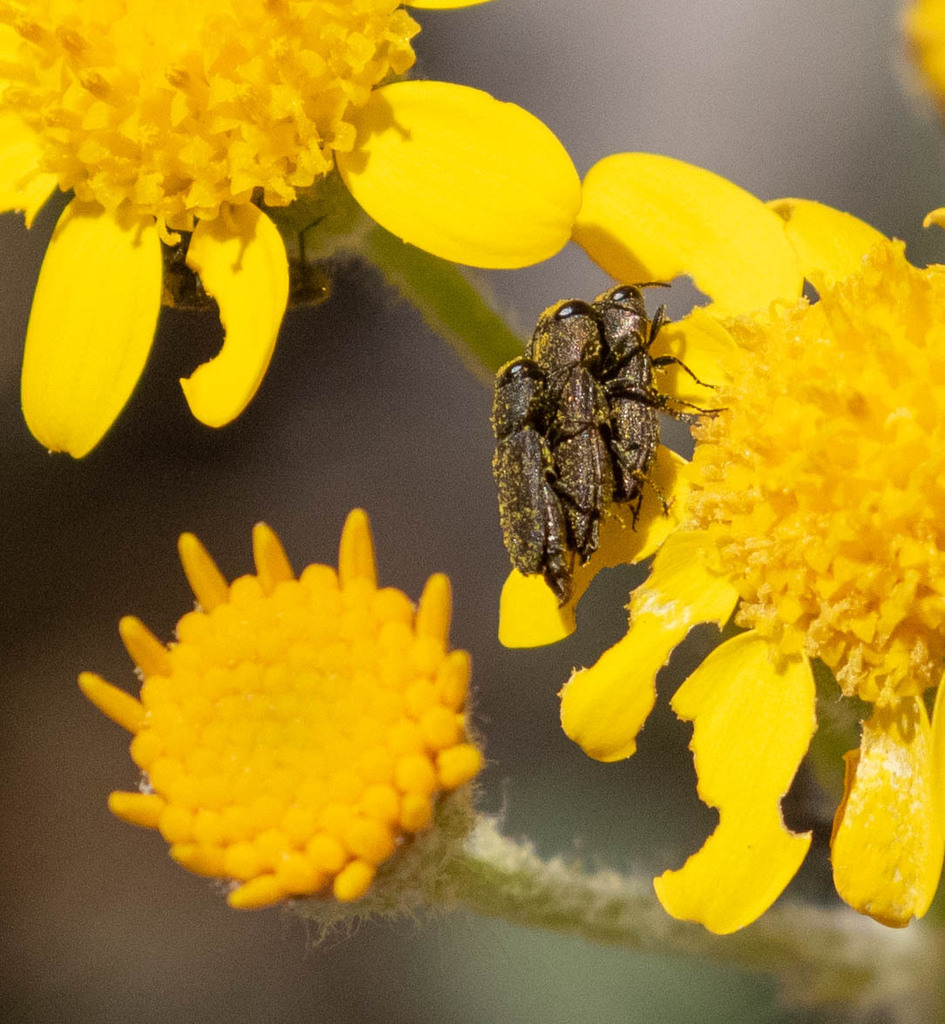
(829, 244)
(91, 326)
(887, 844)
(529, 614)
(753, 720)
(22, 185)
(242, 263)
(938, 755)
(706, 350)
(652, 218)
(604, 707)
(462, 175)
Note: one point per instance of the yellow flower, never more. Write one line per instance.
(812, 511)
(300, 731)
(924, 26)
(178, 116)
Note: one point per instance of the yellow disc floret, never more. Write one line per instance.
(180, 107)
(300, 730)
(823, 481)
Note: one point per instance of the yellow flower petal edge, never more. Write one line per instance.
(90, 330)
(22, 185)
(829, 244)
(529, 613)
(888, 844)
(604, 707)
(753, 719)
(242, 263)
(462, 175)
(652, 218)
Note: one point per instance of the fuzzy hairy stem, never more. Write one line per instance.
(820, 955)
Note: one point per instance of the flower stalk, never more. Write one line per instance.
(821, 956)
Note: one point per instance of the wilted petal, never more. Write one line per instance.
(242, 263)
(887, 844)
(652, 218)
(753, 719)
(604, 707)
(91, 326)
(462, 175)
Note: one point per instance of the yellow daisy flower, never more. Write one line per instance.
(300, 732)
(182, 117)
(811, 512)
(924, 26)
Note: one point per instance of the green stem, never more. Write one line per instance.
(448, 302)
(820, 955)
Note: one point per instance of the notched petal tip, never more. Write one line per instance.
(242, 264)
(753, 718)
(604, 707)
(356, 558)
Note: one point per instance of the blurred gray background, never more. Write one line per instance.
(364, 406)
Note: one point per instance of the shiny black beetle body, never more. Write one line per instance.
(576, 422)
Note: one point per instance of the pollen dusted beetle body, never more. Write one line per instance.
(576, 422)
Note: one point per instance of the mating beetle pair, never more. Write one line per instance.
(576, 422)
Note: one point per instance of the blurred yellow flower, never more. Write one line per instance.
(174, 117)
(812, 511)
(300, 731)
(924, 26)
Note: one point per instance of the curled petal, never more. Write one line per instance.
(242, 263)
(604, 707)
(462, 175)
(22, 185)
(887, 844)
(529, 614)
(91, 326)
(829, 244)
(753, 719)
(652, 218)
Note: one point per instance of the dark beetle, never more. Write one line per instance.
(576, 422)
(533, 522)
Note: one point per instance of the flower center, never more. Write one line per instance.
(179, 107)
(823, 481)
(301, 730)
